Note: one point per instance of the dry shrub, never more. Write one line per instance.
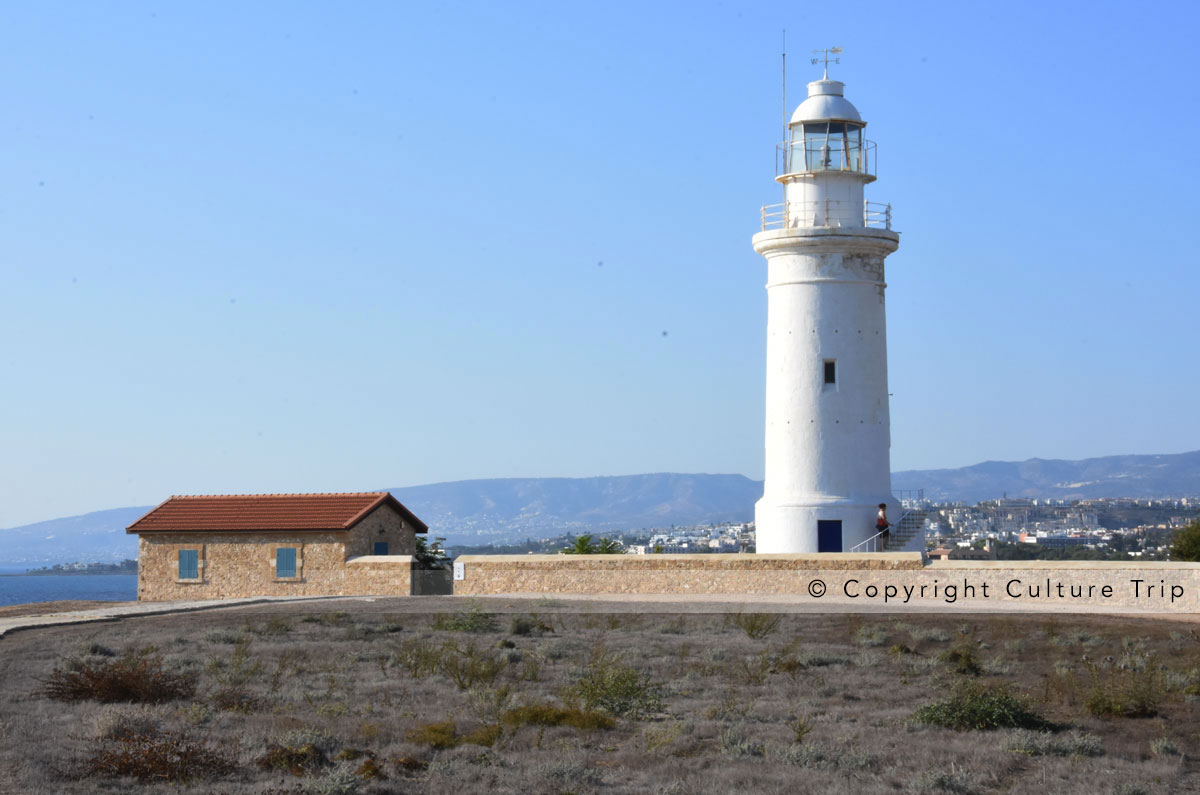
(232, 694)
(408, 766)
(136, 677)
(962, 658)
(529, 625)
(445, 734)
(468, 666)
(235, 699)
(751, 670)
(801, 727)
(117, 721)
(299, 761)
(1039, 743)
(757, 625)
(416, 656)
(275, 626)
(370, 770)
(155, 757)
(299, 752)
(549, 715)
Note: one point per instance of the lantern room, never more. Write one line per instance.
(826, 134)
(824, 164)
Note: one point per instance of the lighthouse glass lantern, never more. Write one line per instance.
(827, 444)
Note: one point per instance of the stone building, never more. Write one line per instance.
(225, 546)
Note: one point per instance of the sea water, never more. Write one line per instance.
(19, 589)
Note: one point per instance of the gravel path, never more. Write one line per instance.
(42, 614)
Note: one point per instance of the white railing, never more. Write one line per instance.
(827, 213)
(872, 544)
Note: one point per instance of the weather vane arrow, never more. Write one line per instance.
(825, 53)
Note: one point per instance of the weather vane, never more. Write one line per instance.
(828, 51)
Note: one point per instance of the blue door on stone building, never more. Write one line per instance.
(829, 535)
(380, 547)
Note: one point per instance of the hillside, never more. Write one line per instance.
(481, 511)
(511, 509)
(1111, 476)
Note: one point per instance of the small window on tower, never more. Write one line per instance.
(830, 371)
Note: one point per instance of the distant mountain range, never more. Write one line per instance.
(1111, 476)
(512, 509)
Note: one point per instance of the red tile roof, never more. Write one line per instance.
(248, 512)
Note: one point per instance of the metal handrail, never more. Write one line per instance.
(874, 540)
(827, 213)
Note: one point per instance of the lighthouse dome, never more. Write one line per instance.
(826, 103)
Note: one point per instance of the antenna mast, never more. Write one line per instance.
(786, 147)
(785, 119)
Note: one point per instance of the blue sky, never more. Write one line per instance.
(324, 247)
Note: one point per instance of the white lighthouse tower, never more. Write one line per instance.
(827, 437)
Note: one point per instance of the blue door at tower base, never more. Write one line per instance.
(829, 535)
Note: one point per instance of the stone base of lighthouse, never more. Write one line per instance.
(824, 526)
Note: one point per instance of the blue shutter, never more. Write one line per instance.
(285, 562)
(189, 564)
(380, 547)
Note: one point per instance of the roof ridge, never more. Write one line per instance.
(325, 511)
(284, 494)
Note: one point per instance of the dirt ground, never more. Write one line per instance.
(45, 608)
(435, 695)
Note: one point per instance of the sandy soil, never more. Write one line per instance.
(64, 606)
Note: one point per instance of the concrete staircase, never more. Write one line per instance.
(908, 534)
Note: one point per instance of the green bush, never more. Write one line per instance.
(971, 707)
(616, 688)
(1125, 692)
(473, 619)
(1185, 544)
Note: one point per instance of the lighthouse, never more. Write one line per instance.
(827, 431)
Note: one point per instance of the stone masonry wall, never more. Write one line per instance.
(887, 580)
(661, 574)
(382, 524)
(242, 564)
